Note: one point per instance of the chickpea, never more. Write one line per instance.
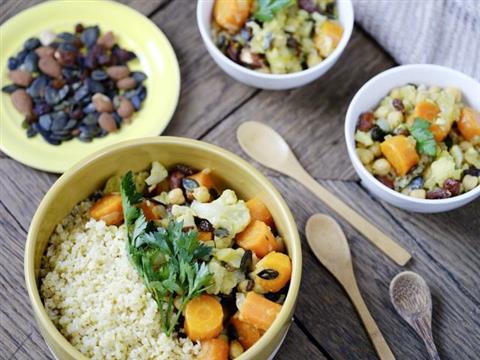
(201, 194)
(365, 155)
(175, 197)
(465, 145)
(381, 167)
(469, 182)
(396, 94)
(236, 349)
(381, 112)
(395, 118)
(418, 193)
(375, 149)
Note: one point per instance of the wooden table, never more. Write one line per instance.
(445, 247)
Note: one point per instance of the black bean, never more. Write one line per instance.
(62, 93)
(204, 224)
(59, 120)
(472, 171)
(8, 89)
(268, 274)
(378, 134)
(273, 296)
(37, 87)
(21, 56)
(416, 183)
(91, 119)
(71, 123)
(136, 102)
(51, 96)
(84, 137)
(90, 108)
(80, 93)
(66, 36)
(118, 119)
(246, 262)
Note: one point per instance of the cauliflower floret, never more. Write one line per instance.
(158, 173)
(185, 214)
(225, 212)
(232, 257)
(442, 169)
(223, 280)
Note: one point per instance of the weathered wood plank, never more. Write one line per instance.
(297, 345)
(34, 347)
(207, 94)
(324, 308)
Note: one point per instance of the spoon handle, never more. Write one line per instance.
(423, 328)
(378, 341)
(372, 233)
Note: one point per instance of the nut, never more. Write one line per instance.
(118, 72)
(107, 40)
(102, 103)
(50, 67)
(126, 109)
(22, 102)
(20, 77)
(126, 83)
(45, 51)
(107, 122)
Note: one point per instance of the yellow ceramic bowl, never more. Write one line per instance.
(155, 57)
(90, 174)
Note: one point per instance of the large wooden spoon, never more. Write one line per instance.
(328, 243)
(267, 147)
(411, 298)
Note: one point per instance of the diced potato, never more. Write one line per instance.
(231, 14)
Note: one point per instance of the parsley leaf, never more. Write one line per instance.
(171, 262)
(268, 8)
(426, 143)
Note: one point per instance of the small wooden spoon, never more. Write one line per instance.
(328, 243)
(267, 147)
(411, 298)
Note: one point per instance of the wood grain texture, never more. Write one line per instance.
(212, 105)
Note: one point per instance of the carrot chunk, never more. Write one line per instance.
(247, 334)
(258, 211)
(257, 237)
(259, 311)
(214, 349)
(231, 14)
(429, 111)
(147, 208)
(108, 209)
(203, 318)
(401, 153)
(279, 263)
(205, 235)
(204, 178)
(333, 30)
(469, 123)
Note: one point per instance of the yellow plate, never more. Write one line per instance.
(134, 32)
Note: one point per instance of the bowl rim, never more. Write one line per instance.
(349, 137)
(328, 61)
(291, 228)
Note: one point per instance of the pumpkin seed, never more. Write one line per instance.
(246, 262)
(221, 233)
(268, 274)
(190, 184)
(204, 224)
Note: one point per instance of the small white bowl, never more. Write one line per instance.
(373, 92)
(272, 81)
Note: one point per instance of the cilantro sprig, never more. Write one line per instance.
(426, 143)
(171, 262)
(268, 8)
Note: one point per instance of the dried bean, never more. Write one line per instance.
(453, 186)
(438, 194)
(365, 121)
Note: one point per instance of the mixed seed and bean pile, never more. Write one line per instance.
(422, 141)
(212, 262)
(276, 36)
(74, 84)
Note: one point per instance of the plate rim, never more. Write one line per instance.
(159, 131)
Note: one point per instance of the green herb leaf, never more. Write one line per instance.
(426, 143)
(268, 8)
(170, 261)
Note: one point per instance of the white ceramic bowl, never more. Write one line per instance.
(272, 81)
(370, 95)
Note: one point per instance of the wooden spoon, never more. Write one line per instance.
(267, 147)
(328, 243)
(411, 298)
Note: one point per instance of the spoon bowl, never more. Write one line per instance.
(411, 298)
(330, 246)
(263, 144)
